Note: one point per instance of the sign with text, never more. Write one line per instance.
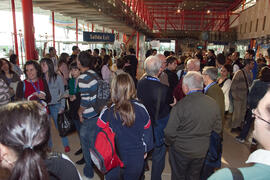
(98, 37)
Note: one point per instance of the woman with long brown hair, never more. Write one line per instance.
(131, 123)
(24, 135)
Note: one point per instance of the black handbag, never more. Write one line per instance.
(65, 123)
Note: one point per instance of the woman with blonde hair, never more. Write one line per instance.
(131, 123)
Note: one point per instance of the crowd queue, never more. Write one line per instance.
(180, 105)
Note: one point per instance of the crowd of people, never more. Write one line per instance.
(180, 104)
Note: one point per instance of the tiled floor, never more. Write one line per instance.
(234, 153)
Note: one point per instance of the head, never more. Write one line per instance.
(249, 54)
(107, 60)
(211, 53)
(24, 135)
(152, 66)
(264, 74)
(89, 51)
(103, 52)
(96, 52)
(248, 64)
(226, 71)
(64, 57)
(235, 56)
(52, 52)
(32, 70)
(192, 81)
(120, 63)
(76, 50)
(86, 61)
(122, 91)
(154, 52)
(193, 65)
(13, 58)
(6, 66)
(74, 70)
(268, 52)
(131, 51)
(47, 68)
(210, 74)
(162, 58)
(171, 63)
(167, 53)
(220, 60)
(262, 122)
(261, 61)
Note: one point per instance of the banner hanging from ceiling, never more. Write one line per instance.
(98, 37)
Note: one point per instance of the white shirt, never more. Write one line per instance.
(260, 156)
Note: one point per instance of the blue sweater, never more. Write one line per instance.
(135, 139)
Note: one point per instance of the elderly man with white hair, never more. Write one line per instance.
(192, 65)
(189, 127)
(154, 95)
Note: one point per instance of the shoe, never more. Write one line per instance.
(67, 149)
(241, 140)
(78, 152)
(81, 161)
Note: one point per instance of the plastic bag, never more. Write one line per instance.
(65, 124)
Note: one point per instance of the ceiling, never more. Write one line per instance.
(166, 18)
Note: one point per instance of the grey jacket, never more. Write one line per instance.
(56, 88)
(191, 122)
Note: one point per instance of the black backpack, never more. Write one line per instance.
(103, 93)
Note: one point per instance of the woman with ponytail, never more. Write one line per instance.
(131, 123)
(24, 135)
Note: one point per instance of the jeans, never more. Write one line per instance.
(54, 109)
(248, 121)
(158, 162)
(87, 135)
(184, 168)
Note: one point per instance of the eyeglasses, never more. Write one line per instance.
(259, 117)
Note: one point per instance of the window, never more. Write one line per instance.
(264, 20)
(250, 27)
(257, 23)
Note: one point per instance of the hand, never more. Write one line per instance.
(11, 91)
(41, 96)
(61, 111)
(72, 98)
(145, 155)
(174, 102)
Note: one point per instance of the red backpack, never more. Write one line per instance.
(103, 154)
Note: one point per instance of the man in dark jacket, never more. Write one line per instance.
(189, 127)
(154, 95)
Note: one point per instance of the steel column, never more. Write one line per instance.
(15, 30)
(53, 29)
(29, 38)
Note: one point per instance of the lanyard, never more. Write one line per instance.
(208, 86)
(37, 89)
(152, 78)
(193, 91)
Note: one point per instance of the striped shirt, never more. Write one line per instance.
(88, 86)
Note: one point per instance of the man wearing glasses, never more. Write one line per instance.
(260, 158)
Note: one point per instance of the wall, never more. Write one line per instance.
(250, 23)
